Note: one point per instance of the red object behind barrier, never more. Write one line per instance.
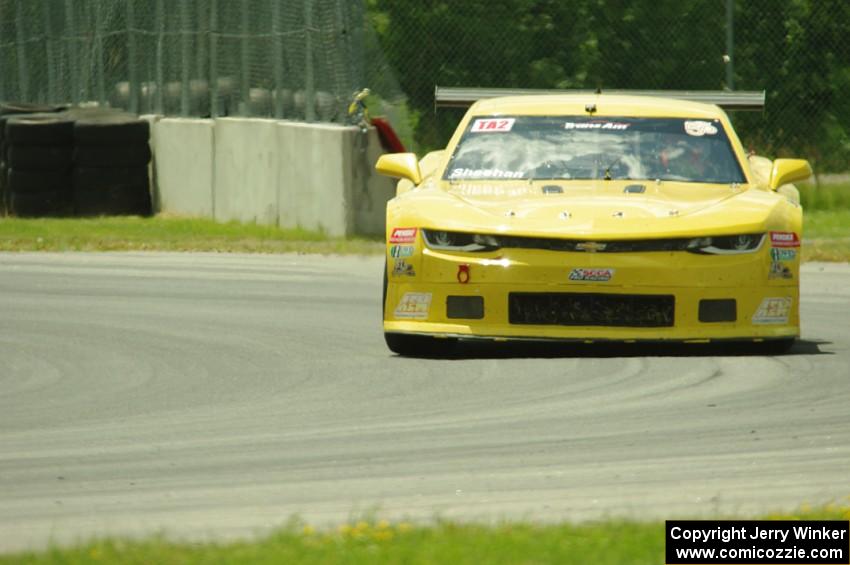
(389, 140)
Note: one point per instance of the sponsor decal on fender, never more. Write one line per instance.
(591, 275)
(403, 235)
(773, 311)
(401, 251)
(413, 305)
(492, 124)
(779, 271)
(784, 239)
(783, 254)
(403, 269)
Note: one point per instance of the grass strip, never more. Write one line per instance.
(164, 233)
(378, 542)
(825, 196)
(827, 236)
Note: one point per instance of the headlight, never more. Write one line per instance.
(726, 244)
(459, 241)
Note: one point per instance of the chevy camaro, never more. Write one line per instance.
(592, 217)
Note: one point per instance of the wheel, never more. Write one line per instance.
(776, 346)
(130, 178)
(40, 157)
(34, 205)
(112, 156)
(113, 201)
(118, 129)
(39, 129)
(414, 345)
(408, 345)
(40, 181)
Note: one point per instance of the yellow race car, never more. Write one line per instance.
(591, 217)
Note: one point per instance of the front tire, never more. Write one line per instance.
(776, 346)
(408, 345)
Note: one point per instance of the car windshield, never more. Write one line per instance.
(583, 147)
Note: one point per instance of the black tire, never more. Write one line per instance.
(27, 108)
(4, 209)
(92, 179)
(38, 204)
(408, 345)
(414, 345)
(39, 129)
(384, 299)
(114, 201)
(112, 156)
(111, 130)
(35, 182)
(775, 346)
(40, 157)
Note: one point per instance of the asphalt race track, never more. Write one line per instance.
(218, 395)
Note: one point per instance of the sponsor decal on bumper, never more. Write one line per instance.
(591, 275)
(414, 305)
(773, 311)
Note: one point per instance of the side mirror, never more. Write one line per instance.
(400, 165)
(786, 171)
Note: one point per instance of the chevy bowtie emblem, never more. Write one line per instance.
(591, 246)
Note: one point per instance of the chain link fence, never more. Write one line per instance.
(303, 59)
(796, 50)
(297, 59)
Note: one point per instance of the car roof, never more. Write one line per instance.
(606, 105)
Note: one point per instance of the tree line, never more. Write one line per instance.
(798, 51)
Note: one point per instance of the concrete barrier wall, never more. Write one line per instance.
(313, 178)
(246, 161)
(183, 166)
(290, 174)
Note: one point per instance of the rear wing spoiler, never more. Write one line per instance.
(462, 97)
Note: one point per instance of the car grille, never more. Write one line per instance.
(591, 309)
(616, 246)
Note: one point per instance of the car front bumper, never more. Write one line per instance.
(765, 306)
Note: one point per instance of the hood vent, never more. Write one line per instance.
(552, 189)
(634, 189)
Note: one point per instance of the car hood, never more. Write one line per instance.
(604, 209)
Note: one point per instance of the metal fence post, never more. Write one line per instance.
(201, 25)
(246, 58)
(131, 58)
(185, 50)
(71, 37)
(21, 51)
(48, 48)
(730, 44)
(213, 59)
(98, 54)
(160, 38)
(309, 86)
(277, 59)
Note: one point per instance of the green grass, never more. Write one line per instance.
(825, 196)
(168, 234)
(371, 542)
(827, 236)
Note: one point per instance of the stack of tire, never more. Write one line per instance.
(10, 110)
(39, 150)
(111, 156)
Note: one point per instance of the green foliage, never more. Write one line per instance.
(796, 50)
(373, 542)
